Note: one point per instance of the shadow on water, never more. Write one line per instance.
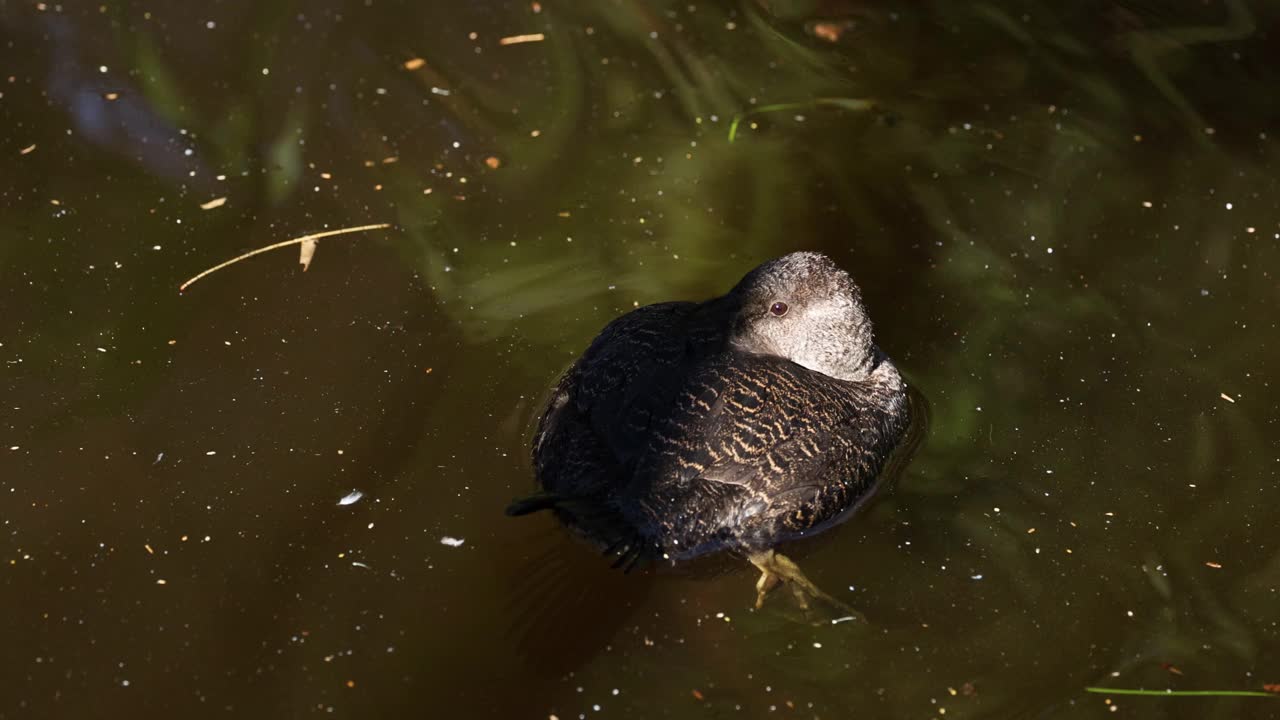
(1063, 220)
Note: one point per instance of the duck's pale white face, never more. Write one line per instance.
(804, 308)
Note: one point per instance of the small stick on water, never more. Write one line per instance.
(855, 104)
(1182, 693)
(286, 243)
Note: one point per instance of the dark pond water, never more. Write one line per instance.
(1064, 217)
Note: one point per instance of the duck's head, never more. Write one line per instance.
(806, 309)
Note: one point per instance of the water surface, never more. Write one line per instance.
(1064, 220)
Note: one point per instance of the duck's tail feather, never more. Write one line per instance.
(596, 521)
(533, 503)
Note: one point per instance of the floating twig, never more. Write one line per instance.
(858, 104)
(519, 39)
(1182, 693)
(286, 243)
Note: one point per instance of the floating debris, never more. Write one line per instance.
(452, 541)
(1179, 693)
(414, 63)
(846, 618)
(306, 251)
(846, 103)
(286, 243)
(1214, 565)
(518, 39)
(27, 149)
(1227, 397)
(214, 203)
(829, 30)
(359, 564)
(351, 498)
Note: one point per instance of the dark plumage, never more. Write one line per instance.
(737, 423)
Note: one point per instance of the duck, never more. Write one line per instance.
(736, 424)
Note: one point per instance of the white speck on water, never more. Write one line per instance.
(124, 683)
(1204, 292)
(839, 620)
(975, 577)
(102, 350)
(212, 452)
(359, 564)
(1228, 206)
(452, 541)
(818, 645)
(351, 498)
(159, 457)
(15, 447)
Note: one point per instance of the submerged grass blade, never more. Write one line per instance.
(846, 103)
(1182, 693)
(286, 243)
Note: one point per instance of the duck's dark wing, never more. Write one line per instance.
(599, 420)
(599, 416)
(758, 449)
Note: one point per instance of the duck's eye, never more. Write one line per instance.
(779, 309)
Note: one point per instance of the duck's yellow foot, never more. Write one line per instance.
(776, 569)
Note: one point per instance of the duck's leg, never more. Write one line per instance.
(776, 568)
